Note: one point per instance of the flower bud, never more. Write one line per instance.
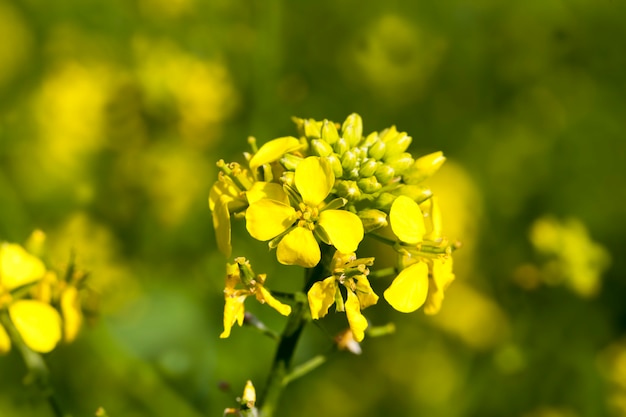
(289, 178)
(352, 129)
(320, 147)
(377, 150)
(348, 189)
(312, 128)
(384, 173)
(348, 161)
(329, 132)
(416, 193)
(398, 144)
(424, 167)
(369, 185)
(384, 201)
(370, 140)
(388, 134)
(368, 168)
(372, 219)
(341, 146)
(335, 164)
(400, 162)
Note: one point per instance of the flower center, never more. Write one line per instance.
(307, 216)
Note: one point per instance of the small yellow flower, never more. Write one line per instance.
(38, 324)
(234, 297)
(425, 278)
(273, 151)
(300, 223)
(352, 274)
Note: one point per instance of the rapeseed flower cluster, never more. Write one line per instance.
(37, 308)
(315, 197)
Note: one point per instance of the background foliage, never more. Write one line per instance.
(113, 113)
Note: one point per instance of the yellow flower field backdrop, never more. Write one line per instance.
(113, 116)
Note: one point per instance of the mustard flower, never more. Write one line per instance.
(38, 324)
(298, 224)
(426, 275)
(234, 297)
(350, 272)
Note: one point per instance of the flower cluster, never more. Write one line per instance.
(323, 192)
(37, 308)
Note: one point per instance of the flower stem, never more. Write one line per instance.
(299, 317)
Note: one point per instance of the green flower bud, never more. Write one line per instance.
(398, 144)
(372, 219)
(290, 161)
(368, 168)
(349, 161)
(377, 150)
(348, 189)
(353, 174)
(312, 128)
(384, 201)
(416, 193)
(400, 162)
(352, 129)
(288, 178)
(335, 164)
(388, 134)
(370, 140)
(424, 167)
(384, 173)
(320, 147)
(369, 185)
(329, 132)
(341, 146)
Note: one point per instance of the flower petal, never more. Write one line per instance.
(314, 179)
(223, 188)
(39, 324)
(408, 291)
(344, 229)
(221, 224)
(321, 296)
(18, 267)
(266, 219)
(5, 341)
(269, 190)
(407, 221)
(72, 313)
(358, 323)
(274, 150)
(264, 295)
(233, 312)
(442, 277)
(367, 296)
(299, 247)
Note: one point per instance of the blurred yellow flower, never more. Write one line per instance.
(298, 227)
(38, 324)
(234, 297)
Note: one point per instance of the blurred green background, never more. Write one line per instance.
(113, 114)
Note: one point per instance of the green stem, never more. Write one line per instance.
(279, 374)
(37, 370)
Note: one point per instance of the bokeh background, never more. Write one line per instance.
(113, 114)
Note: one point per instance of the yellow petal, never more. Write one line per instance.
(299, 247)
(407, 221)
(408, 291)
(364, 292)
(314, 179)
(265, 296)
(72, 313)
(18, 267)
(358, 323)
(442, 277)
(274, 150)
(266, 219)
(233, 312)
(249, 395)
(222, 189)
(344, 229)
(221, 224)
(5, 341)
(434, 221)
(321, 296)
(269, 190)
(39, 324)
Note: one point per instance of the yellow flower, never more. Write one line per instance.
(352, 274)
(38, 324)
(273, 151)
(234, 297)
(426, 277)
(299, 224)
